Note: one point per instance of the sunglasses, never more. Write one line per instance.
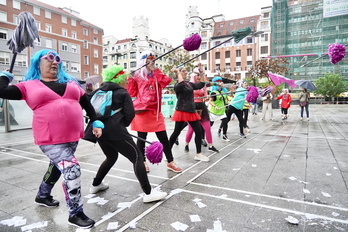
(51, 57)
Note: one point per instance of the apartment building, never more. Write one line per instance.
(78, 42)
(221, 55)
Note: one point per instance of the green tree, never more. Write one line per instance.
(176, 58)
(331, 85)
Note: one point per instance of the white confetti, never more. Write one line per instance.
(179, 226)
(292, 220)
(34, 226)
(133, 225)
(335, 214)
(15, 221)
(292, 178)
(254, 165)
(310, 216)
(236, 169)
(197, 200)
(223, 195)
(195, 218)
(325, 194)
(90, 195)
(328, 174)
(306, 191)
(201, 205)
(112, 226)
(124, 205)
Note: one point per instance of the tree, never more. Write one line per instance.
(176, 58)
(263, 66)
(331, 85)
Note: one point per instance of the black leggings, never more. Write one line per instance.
(129, 150)
(163, 138)
(197, 128)
(239, 114)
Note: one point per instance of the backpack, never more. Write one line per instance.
(101, 101)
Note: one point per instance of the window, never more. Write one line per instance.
(133, 55)
(65, 32)
(73, 22)
(85, 44)
(64, 19)
(249, 39)
(4, 58)
(125, 46)
(38, 25)
(21, 60)
(133, 64)
(204, 34)
(48, 28)
(16, 5)
(204, 56)
(74, 35)
(241, 21)
(204, 45)
(264, 49)
(252, 20)
(95, 31)
(249, 52)
(216, 43)
(227, 54)
(96, 69)
(266, 15)
(95, 40)
(74, 67)
(15, 19)
(231, 23)
(3, 34)
(238, 53)
(36, 10)
(64, 47)
(3, 16)
(85, 60)
(217, 55)
(217, 67)
(3, 2)
(47, 14)
(264, 37)
(95, 53)
(74, 48)
(49, 43)
(105, 59)
(86, 74)
(228, 67)
(85, 31)
(221, 25)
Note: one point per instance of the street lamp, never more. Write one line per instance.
(255, 34)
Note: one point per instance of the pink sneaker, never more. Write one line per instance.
(172, 166)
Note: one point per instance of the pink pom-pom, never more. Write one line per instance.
(336, 52)
(253, 93)
(154, 152)
(266, 91)
(192, 43)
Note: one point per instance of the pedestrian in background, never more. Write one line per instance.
(285, 105)
(146, 86)
(267, 106)
(116, 138)
(57, 100)
(304, 102)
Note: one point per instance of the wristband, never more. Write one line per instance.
(98, 124)
(8, 75)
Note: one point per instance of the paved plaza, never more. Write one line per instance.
(287, 175)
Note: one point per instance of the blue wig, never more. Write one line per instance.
(215, 87)
(34, 68)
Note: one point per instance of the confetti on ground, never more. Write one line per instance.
(34, 226)
(15, 221)
(292, 178)
(201, 205)
(217, 227)
(195, 218)
(112, 226)
(306, 191)
(254, 165)
(292, 220)
(179, 226)
(328, 174)
(124, 205)
(325, 194)
(335, 214)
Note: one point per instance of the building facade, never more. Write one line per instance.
(125, 52)
(307, 27)
(78, 42)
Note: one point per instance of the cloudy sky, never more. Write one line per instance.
(166, 18)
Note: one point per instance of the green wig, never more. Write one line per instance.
(114, 74)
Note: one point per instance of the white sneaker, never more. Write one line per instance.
(101, 187)
(155, 195)
(201, 157)
(307, 119)
(301, 119)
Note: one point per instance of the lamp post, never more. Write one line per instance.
(255, 34)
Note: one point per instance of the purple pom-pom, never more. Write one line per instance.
(192, 43)
(266, 91)
(252, 94)
(336, 52)
(154, 152)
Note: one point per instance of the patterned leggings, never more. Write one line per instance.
(63, 161)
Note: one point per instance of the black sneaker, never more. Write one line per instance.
(176, 142)
(204, 143)
(48, 201)
(81, 220)
(187, 148)
(212, 148)
(225, 138)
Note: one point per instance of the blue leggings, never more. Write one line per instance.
(62, 158)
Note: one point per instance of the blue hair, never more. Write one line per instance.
(34, 68)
